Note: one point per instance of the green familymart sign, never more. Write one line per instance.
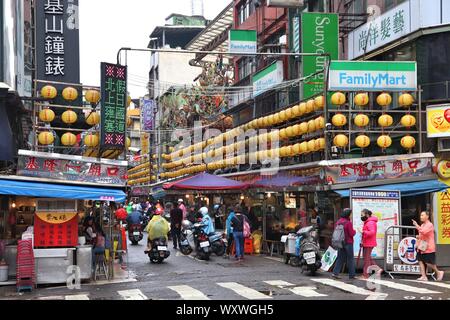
(372, 76)
(243, 41)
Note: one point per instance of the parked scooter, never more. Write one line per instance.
(135, 233)
(310, 257)
(193, 237)
(159, 250)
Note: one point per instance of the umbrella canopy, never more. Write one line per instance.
(205, 181)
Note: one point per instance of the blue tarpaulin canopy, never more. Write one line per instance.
(48, 190)
(407, 189)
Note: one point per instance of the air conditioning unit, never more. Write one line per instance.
(285, 3)
(444, 145)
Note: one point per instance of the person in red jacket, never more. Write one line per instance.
(346, 253)
(369, 242)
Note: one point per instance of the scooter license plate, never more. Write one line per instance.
(204, 244)
(136, 233)
(309, 256)
(160, 248)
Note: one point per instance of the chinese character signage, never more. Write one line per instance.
(57, 40)
(373, 76)
(55, 230)
(378, 170)
(437, 124)
(385, 205)
(442, 217)
(148, 111)
(114, 106)
(319, 34)
(388, 27)
(88, 171)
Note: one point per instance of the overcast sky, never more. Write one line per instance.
(107, 25)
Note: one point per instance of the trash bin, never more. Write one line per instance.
(289, 245)
(3, 273)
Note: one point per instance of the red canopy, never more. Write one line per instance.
(205, 181)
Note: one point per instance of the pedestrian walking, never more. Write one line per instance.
(369, 242)
(182, 208)
(176, 218)
(237, 223)
(345, 253)
(229, 228)
(426, 247)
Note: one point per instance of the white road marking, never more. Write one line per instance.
(307, 292)
(51, 298)
(432, 283)
(189, 293)
(244, 291)
(352, 289)
(275, 259)
(401, 286)
(78, 297)
(135, 294)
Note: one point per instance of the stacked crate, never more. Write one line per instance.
(26, 276)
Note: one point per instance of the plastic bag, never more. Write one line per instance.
(257, 243)
(158, 228)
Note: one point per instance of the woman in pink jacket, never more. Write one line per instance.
(369, 242)
(427, 256)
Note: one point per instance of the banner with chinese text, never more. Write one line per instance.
(148, 111)
(114, 106)
(55, 230)
(442, 217)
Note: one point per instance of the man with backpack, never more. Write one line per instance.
(241, 230)
(342, 240)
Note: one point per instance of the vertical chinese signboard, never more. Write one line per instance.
(442, 217)
(385, 205)
(148, 109)
(319, 34)
(57, 40)
(114, 105)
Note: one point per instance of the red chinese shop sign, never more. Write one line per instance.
(378, 170)
(55, 230)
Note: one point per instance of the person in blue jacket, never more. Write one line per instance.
(231, 215)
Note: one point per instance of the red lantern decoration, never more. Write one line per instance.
(447, 115)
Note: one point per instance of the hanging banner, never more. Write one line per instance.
(114, 106)
(442, 218)
(319, 34)
(148, 111)
(373, 76)
(385, 205)
(57, 40)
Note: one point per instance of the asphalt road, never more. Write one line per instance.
(256, 278)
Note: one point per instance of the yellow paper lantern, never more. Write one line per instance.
(385, 120)
(91, 140)
(408, 142)
(266, 122)
(271, 120)
(405, 100)
(70, 94)
(321, 143)
(69, 117)
(303, 108)
(296, 111)
(276, 118)
(290, 132)
(93, 119)
(46, 138)
(49, 92)
(283, 152)
(361, 120)
(338, 99)
(408, 121)
(310, 106)
(384, 141)
(46, 115)
(361, 99)
(68, 139)
(128, 143)
(297, 130)
(311, 126)
(283, 116)
(319, 103)
(312, 146)
(129, 121)
(289, 151)
(384, 99)
(304, 147)
(283, 134)
(339, 120)
(340, 141)
(289, 114)
(296, 149)
(259, 123)
(320, 123)
(362, 141)
(92, 96)
(129, 100)
(304, 127)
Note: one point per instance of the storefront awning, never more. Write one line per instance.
(47, 190)
(409, 189)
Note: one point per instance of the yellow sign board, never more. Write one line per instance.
(443, 217)
(56, 218)
(437, 124)
(145, 143)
